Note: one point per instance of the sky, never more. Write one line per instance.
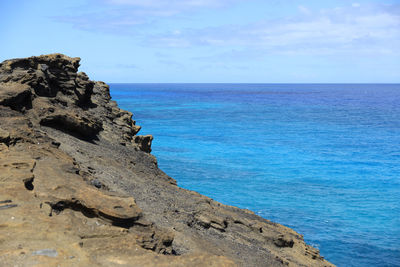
(211, 41)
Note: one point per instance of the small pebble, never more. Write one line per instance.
(96, 183)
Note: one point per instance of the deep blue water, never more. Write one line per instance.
(323, 159)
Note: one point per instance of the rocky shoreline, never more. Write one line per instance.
(79, 187)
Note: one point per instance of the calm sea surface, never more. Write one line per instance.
(323, 159)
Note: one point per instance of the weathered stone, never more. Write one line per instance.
(283, 241)
(61, 134)
(16, 96)
(208, 220)
(144, 142)
(73, 124)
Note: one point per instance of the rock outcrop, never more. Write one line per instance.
(79, 187)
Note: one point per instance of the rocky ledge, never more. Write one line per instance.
(79, 187)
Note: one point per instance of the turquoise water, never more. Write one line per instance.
(323, 159)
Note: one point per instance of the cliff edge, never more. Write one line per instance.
(79, 187)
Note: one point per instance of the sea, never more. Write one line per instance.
(323, 159)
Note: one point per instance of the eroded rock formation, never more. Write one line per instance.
(79, 187)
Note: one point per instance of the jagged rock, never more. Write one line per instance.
(208, 220)
(16, 96)
(53, 93)
(283, 241)
(73, 124)
(79, 187)
(144, 142)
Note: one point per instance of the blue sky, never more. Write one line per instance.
(260, 41)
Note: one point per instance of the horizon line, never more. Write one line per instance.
(355, 83)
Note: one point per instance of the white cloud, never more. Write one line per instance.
(305, 10)
(129, 16)
(350, 29)
(338, 30)
(167, 7)
(170, 3)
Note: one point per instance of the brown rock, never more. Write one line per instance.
(73, 124)
(144, 142)
(16, 96)
(59, 133)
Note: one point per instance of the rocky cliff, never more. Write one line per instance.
(79, 187)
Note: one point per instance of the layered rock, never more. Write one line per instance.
(79, 187)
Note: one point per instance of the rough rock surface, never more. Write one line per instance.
(79, 187)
